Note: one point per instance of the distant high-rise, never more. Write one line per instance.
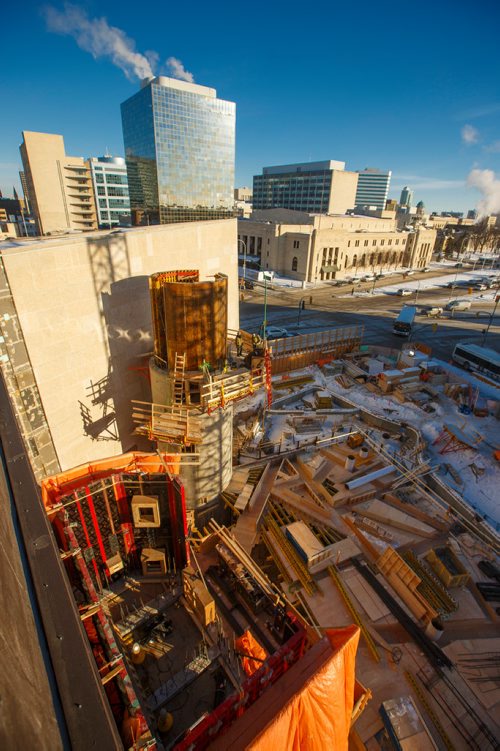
(109, 177)
(179, 148)
(314, 187)
(373, 187)
(24, 185)
(59, 186)
(406, 197)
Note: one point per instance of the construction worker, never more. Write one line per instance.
(238, 340)
(256, 344)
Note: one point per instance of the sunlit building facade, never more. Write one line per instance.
(373, 188)
(179, 147)
(109, 177)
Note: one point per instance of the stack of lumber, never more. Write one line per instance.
(390, 380)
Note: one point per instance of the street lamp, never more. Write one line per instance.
(417, 290)
(244, 257)
(267, 278)
(301, 308)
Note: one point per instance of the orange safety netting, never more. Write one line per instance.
(249, 647)
(319, 716)
(309, 708)
(134, 461)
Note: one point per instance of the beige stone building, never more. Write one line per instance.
(76, 336)
(317, 248)
(59, 186)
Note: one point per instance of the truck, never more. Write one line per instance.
(404, 322)
(454, 305)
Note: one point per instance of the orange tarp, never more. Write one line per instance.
(247, 645)
(309, 708)
(138, 461)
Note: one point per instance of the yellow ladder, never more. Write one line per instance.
(356, 616)
(180, 362)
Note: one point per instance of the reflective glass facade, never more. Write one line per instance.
(179, 147)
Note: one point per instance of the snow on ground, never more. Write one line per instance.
(481, 493)
(438, 281)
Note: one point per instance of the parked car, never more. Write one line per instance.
(481, 286)
(369, 278)
(409, 272)
(404, 291)
(276, 332)
(427, 268)
(340, 282)
(354, 280)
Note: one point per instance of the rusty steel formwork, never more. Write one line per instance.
(297, 352)
(189, 318)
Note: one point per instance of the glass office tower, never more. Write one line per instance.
(179, 148)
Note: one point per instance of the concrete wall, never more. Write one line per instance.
(84, 318)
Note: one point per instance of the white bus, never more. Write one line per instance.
(404, 321)
(473, 357)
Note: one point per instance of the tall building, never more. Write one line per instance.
(315, 187)
(406, 197)
(109, 178)
(373, 187)
(59, 186)
(179, 147)
(24, 184)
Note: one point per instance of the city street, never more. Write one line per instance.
(334, 306)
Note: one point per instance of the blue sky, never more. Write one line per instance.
(411, 87)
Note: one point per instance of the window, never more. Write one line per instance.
(101, 191)
(374, 242)
(382, 242)
(99, 178)
(295, 263)
(296, 243)
(366, 243)
(356, 243)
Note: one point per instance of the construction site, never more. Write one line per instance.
(301, 560)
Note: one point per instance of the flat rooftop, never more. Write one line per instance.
(279, 169)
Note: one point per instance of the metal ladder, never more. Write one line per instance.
(180, 361)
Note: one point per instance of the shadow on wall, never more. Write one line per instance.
(127, 319)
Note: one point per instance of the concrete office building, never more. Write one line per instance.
(76, 332)
(314, 187)
(59, 186)
(373, 188)
(179, 147)
(109, 178)
(325, 248)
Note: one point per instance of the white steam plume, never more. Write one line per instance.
(487, 184)
(177, 70)
(96, 36)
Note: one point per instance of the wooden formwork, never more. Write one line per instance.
(297, 352)
(172, 424)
